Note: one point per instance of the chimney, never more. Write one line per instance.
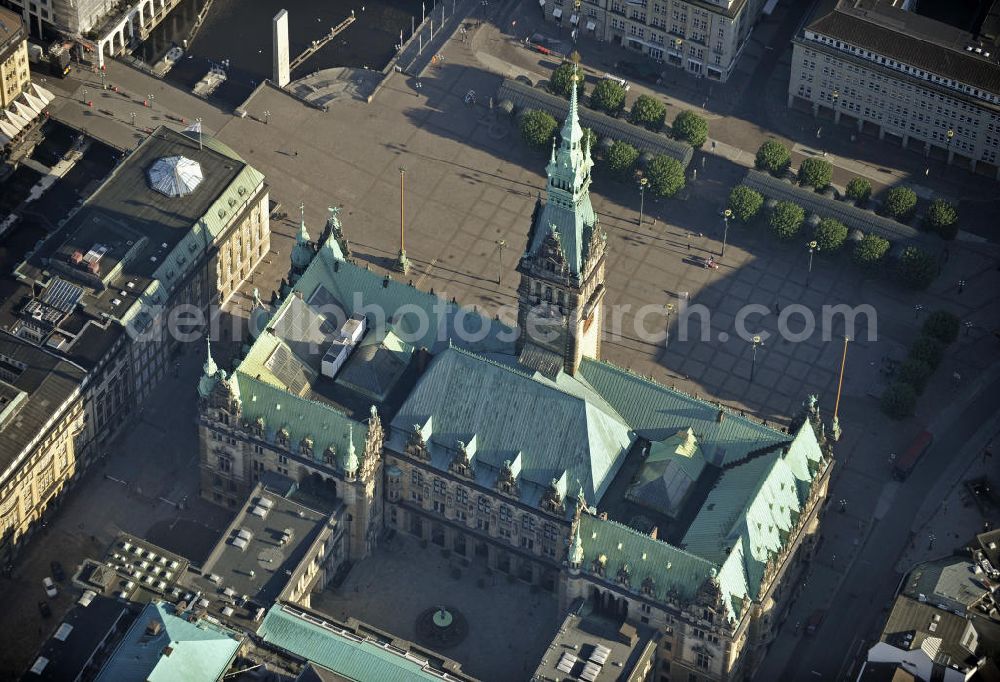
(153, 627)
(603, 516)
(167, 651)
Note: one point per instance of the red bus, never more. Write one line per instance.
(905, 464)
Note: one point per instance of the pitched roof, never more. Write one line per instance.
(951, 583)
(670, 568)
(512, 412)
(910, 38)
(343, 652)
(669, 470)
(303, 418)
(181, 650)
(752, 510)
(656, 412)
(419, 318)
(939, 634)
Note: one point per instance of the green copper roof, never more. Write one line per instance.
(755, 506)
(199, 650)
(670, 469)
(302, 418)
(207, 381)
(509, 412)
(657, 412)
(671, 569)
(347, 655)
(568, 214)
(329, 278)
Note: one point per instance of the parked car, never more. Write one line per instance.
(50, 587)
(43, 608)
(812, 625)
(57, 571)
(640, 71)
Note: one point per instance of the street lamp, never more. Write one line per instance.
(836, 96)
(961, 285)
(753, 360)
(726, 215)
(267, 117)
(813, 248)
(501, 244)
(85, 93)
(843, 505)
(642, 197)
(151, 100)
(917, 309)
(132, 115)
(968, 327)
(950, 134)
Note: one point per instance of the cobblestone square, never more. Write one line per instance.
(510, 624)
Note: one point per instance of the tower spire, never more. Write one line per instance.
(207, 381)
(571, 131)
(351, 460)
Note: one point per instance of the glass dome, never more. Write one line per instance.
(175, 176)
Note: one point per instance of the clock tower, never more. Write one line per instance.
(562, 269)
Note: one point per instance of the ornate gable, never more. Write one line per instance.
(461, 463)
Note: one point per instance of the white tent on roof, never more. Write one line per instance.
(175, 176)
(42, 93)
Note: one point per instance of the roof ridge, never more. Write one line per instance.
(662, 542)
(709, 403)
(755, 494)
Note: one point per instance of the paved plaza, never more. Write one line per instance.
(510, 623)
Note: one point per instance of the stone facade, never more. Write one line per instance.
(883, 96)
(45, 465)
(705, 39)
(13, 58)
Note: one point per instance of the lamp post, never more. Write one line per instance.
(813, 248)
(267, 117)
(501, 244)
(132, 115)
(151, 100)
(726, 215)
(642, 197)
(753, 360)
(402, 264)
(968, 327)
(917, 309)
(85, 93)
(836, 113)
(950, 134)
(669, 308)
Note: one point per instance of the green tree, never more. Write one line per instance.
(561, 82)
(942, 325)
(773, 157)
(900, 202)
(830, 235)
(691, 128)
(648, 111)
(859, 189)
(621, 159)
(916, 268)
(745, 203)
(589, 139)
(537, 128)
(927, 349)
(608, 96)
(786, 219)
(666, 176)
(915, 373)
(870, 251)
(815, 173)
(899, 400)
(943, 219)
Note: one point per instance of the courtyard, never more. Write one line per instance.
(510, 623)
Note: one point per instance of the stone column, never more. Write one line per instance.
(791, 100)
(881, 133)
(906, 140)
(836, 116)
(279, 37)
(815, 109)
(972, 165)
(861, 125)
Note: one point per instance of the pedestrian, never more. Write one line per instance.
(296, 152)
(689, 240)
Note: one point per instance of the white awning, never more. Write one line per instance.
(557, 13)
(575, 19)
(34, 102)
(16, 120)
(42, 93)
(591, 25)
(25, 111)
(8, 130)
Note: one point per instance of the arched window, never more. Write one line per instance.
(548, 294)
